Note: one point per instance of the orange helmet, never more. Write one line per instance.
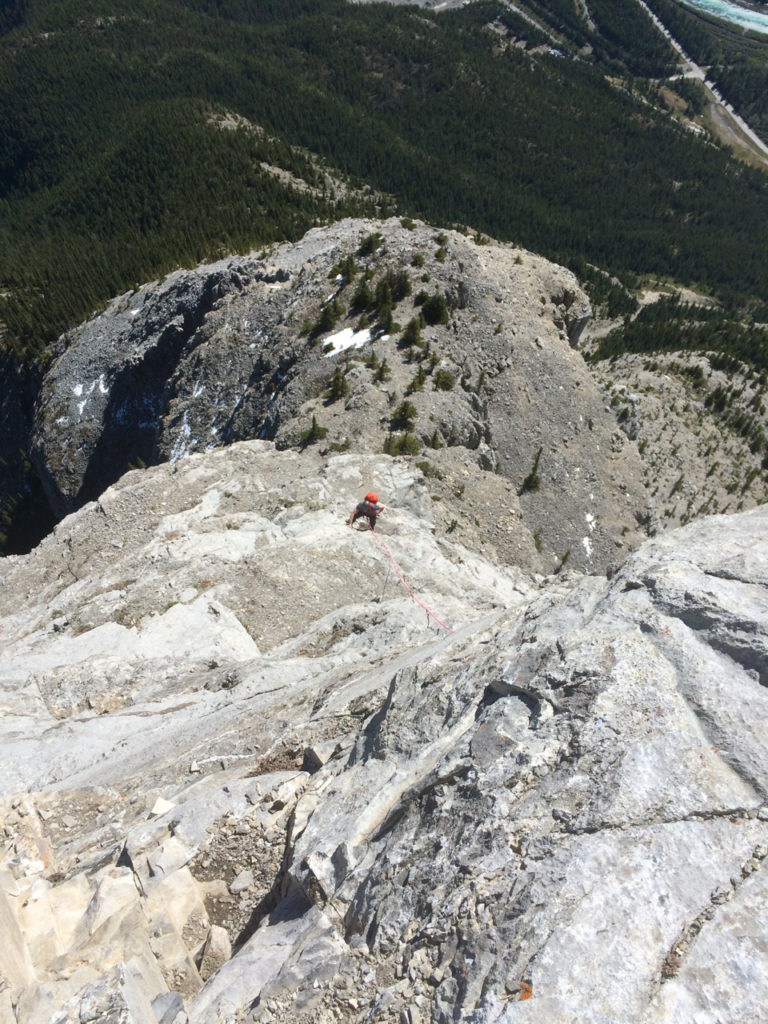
(372, 497)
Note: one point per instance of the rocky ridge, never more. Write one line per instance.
(539, 458)
(282, 346)
(247, 777)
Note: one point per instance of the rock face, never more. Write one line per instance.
(226, 721)
(698, 458)
(247, 349)
(101, 408)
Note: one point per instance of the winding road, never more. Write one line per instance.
(732, 127)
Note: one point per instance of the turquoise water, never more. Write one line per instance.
(758, 22)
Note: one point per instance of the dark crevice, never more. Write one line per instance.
(733, 814)
(371, 746)
(678, 951)
(488, 699)
(276, 904)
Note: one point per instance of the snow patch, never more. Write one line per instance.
(591, 520)
(184, 442)
(348, 338)
(587, 546)
(80, 392)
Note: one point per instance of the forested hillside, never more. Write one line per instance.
(142, 135)
(114, 165)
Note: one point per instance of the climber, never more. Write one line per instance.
(369, 507)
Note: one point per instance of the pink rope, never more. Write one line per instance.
(382, 544)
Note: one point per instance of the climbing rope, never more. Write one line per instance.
(385, 546)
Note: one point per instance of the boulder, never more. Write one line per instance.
(216, 951)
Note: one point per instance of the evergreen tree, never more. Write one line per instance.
(404, 416)
(417, 384)
(339, 385)
(383, 373)
(435, 309)
(314, 434)
(363, 297)
(412, 333)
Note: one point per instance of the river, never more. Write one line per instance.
(747, 17)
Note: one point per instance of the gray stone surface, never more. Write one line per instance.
(556, 808)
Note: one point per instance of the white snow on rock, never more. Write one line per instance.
(346, 339)
(184, 442)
